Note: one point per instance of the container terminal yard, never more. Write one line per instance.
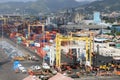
(34, 51)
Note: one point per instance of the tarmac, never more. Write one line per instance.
(6, 65)
(7, 72)
(99, 78)
(6, 69)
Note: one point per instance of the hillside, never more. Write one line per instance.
(102, 6)
(39, 6)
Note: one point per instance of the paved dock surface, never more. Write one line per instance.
(99, 78)
(7, 72)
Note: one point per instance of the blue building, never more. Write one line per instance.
(115, 28)
(96, 17)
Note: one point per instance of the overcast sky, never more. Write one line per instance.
(35, 0)
(16, 0)
(85, 0)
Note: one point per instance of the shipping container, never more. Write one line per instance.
(118, 45)
(41, 52)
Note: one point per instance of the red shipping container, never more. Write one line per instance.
(41, 52)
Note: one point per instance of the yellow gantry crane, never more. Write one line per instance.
(4, 20)
(60, 38)
(34, 25)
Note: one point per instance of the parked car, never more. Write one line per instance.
(19, 65)
(35, 67)
(45, 66)
(21, 68)
(53, 71)
(33, 58)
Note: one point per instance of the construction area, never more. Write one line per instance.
(31, 49)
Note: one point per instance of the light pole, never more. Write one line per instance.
(2, 33)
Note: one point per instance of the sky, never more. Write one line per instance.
(35, 0)
(85, 0)
(16, 0)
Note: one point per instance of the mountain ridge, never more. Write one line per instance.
(39, 6)
(106, 6)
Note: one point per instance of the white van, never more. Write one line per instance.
(21, 68)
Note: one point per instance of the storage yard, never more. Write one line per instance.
(35, 51)
(7, 71)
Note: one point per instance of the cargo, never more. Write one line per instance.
(31, 44)
(117, 45)
(46, 48)
(23, 38)
(33, 48)
(47, 32)
(53, 37)
(48, 38)
(53, 32)
(51, 41)
(44, 41)
(19, 38)
(37, 44)
(42, 44)
(12, 35)
(18, 34)
(19, 42)
(41, 52)
(23, 43)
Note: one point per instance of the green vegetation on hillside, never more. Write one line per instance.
(105, 6)
(39, 6)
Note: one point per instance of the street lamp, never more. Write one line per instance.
(2, 32)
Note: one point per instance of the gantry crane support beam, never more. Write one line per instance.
(60, 38)
(4, 20)
(34, 25)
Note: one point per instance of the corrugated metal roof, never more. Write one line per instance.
(83, 26)
(59, 76)
(31, 78)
